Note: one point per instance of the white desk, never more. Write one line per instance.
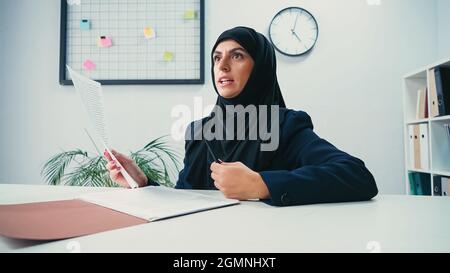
(388, 224)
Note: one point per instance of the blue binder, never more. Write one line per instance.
(437, 186)
(442, 75)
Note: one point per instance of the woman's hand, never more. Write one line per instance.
(130, 166)
(237, 181)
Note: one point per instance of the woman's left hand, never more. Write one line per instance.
(237, 181)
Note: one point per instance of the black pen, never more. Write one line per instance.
(217, 160)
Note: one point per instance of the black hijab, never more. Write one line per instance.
(261, 89)
(262, 86)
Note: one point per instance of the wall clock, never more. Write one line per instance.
(293, 31)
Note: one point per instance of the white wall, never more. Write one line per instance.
(350, 83)
(443, 7)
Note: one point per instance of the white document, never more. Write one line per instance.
(156, 202)
(424, 154)
(91, 95)
(411, 146)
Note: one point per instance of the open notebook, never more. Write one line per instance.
(103, 211)
(155, 203)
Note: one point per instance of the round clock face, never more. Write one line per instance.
(293, 31)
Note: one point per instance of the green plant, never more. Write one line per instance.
(157, 160)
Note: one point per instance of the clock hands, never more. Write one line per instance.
(293, 29)
(295, 23)
(296, 36)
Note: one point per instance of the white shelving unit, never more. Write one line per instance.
(438, 146)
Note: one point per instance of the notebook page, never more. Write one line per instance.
(154, 203)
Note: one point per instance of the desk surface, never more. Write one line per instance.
(389, 223)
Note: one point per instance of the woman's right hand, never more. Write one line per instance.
(130, 166)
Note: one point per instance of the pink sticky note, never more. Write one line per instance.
(105, 42)
(88, 65)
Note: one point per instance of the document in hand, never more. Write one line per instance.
(91, 95)
(98, 212)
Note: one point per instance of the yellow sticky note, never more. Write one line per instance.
(149, 33)
(168, 56)
(190, 14)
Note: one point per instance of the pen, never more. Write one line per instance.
(217, 160)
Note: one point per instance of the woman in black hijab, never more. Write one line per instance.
(301, 169)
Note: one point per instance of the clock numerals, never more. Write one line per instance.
(293, 31)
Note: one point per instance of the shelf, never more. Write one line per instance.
(419, 72)
(443, 118)
(419, 171)
(412, 86)
(424, 120)
(438, 148)
(442, 173)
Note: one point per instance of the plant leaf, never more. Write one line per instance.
(53, 171)
(157, 160)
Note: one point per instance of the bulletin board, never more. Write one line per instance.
(133, 41)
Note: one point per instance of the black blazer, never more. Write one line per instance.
(305, 169)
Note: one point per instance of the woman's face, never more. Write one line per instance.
(232, 68)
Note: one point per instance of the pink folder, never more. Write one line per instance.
(60, 220)
(102, 211)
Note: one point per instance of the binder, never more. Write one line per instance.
(437, 186)
(412, 185)
(422, 183)
(411, 146)
(418, 184)
(421, 100)
(434, 109)
(444, 186)
(424, 155)
(416, 140)
(442, 77)
(425, 183)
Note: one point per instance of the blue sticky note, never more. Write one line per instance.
(85, 24)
